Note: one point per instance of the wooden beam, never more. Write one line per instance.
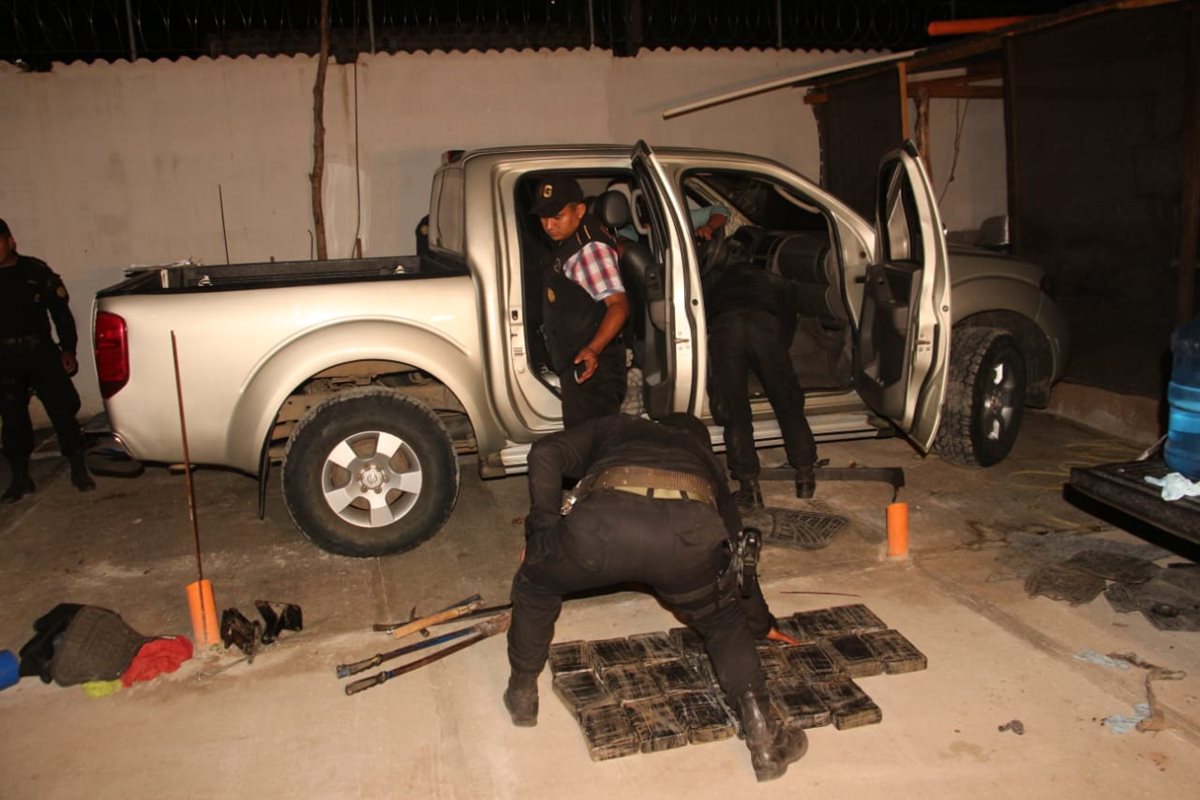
(901, 73)
(958, 92)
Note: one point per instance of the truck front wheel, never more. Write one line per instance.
(985, 398)
(370, 472)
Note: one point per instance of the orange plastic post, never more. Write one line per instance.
(204, 613)
(897, 530)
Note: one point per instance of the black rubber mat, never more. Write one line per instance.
(1064, 582)
(657, 691)
(806, 530)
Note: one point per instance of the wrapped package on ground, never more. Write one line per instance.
(857, 659)
(608, 732)
(656, 725)
(580, 690)
(629, 682)
(848, 703)
(896, 651)
(655, 647)
(570, 656)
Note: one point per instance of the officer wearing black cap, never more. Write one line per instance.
(651, 507)
(584, 306)
(31, 361)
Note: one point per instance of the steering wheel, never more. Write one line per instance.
(712, 253)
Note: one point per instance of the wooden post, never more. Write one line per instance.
(923, 130)
(318, 170)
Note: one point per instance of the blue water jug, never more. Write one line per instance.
(1183, 396)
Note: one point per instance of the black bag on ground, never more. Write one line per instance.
(78, 643)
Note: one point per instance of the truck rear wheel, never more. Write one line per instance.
(370, 472)
(985, 398)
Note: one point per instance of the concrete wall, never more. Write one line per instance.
(111, 165)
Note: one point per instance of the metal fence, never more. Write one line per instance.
(39, 32)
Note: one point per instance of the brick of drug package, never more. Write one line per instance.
(704, 714)
(654, 647)
(656, 724)
(848, 703)
(570, 656)
(857, 659)
(629, 682)
(608, 732)
(896, 651)
(580, 690)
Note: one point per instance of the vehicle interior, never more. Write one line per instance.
(769, 225)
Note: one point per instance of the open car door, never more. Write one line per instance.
(903, 346)
(674, 327)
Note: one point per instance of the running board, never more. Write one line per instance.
(825, 428)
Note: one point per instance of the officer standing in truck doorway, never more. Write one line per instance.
(31, 295)
(584, 306)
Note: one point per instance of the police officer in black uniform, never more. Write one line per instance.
(751, 321)
(584, 306)
(31, 361)
(651, 507)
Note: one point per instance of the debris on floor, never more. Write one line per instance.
(657, 691)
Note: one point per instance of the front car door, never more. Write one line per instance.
(675, 333)
(903, 347)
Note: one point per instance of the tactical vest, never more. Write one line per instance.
(570, 317)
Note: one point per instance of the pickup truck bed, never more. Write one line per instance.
(228, 277)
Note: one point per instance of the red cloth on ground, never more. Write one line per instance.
(157, 656)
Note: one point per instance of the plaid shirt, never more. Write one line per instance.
(595, 268)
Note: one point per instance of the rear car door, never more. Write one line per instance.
(903, 340)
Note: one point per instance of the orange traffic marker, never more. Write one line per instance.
(897, 530)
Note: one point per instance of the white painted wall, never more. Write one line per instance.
(111, 165)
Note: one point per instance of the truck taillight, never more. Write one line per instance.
(112, 353)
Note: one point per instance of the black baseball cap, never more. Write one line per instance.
(552, 194)
(4, 231)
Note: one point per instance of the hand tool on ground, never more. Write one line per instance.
(441, 616)
(481, 631)
(486, 611)
(200, 676)
(388, 627)
(346, 670)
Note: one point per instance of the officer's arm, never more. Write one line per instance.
(616, 311)
(58, 304)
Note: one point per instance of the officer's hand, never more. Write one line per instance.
(70, 363)
(586, 359)
(704, 232)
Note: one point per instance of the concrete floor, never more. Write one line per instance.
(281, 727)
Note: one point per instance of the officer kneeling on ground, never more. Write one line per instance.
(651, 507)
(30, 360)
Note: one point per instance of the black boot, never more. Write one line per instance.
(772, 745)
(806, 482)
(521, 699)
(21, 484)
(80, 478)
(749, 495)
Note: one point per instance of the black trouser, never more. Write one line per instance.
(37, 367)
(601, 394)
(673, 546)
(746, 339)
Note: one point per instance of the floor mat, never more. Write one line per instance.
(657, 691)
(806, 530)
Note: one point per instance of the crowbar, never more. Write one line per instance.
(480, 631)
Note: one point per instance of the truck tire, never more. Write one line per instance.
(370, 472)
(985, 398)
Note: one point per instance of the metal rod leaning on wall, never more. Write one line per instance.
(129, 25)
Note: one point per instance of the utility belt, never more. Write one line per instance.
(29, 342)
(657, 484)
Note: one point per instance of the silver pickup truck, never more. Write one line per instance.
(369, 378)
